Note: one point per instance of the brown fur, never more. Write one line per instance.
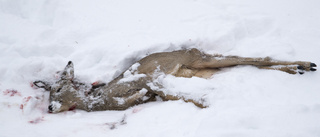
(120, 94)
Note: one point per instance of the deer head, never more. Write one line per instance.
(64, 93)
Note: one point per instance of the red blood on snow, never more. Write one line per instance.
(11, 92)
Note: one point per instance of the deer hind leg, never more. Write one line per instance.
(265, 63)
(291, 69)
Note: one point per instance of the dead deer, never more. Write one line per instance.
(131, 87)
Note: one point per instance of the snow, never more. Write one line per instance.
(55, 105)
(189, 88)
(103, 38)
(131, 74)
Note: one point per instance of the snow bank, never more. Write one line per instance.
(102, 38)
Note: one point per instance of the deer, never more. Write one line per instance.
(133, 86)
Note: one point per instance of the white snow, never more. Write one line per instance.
(39, 37)
(189, 88)
(131, 74)
(55, 105)
(120, 101)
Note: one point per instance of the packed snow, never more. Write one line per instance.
(103, 38)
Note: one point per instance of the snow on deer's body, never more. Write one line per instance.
(136, 85)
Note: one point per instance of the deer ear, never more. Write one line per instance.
(68, 72)
(42, 84)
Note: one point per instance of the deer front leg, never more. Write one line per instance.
(167, 97)
(265, 63)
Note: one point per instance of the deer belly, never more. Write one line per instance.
(190, 72)
(206, 73)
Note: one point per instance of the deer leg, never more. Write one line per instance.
(288, 69)
(166, 97)
(265, 63)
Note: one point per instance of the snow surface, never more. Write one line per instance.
(103, 37)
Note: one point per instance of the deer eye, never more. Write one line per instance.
(58, 90)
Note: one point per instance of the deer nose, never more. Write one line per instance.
(50, 108)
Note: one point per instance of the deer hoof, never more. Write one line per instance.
(300, 67)
(311, 67)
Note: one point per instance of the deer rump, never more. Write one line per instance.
(136, 85)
